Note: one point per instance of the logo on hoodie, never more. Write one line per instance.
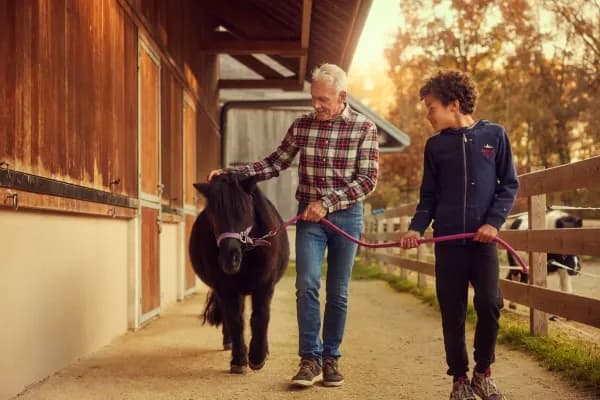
(488, 151)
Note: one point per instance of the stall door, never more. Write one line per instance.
(190, 275)
(149, 178)
(190, 195)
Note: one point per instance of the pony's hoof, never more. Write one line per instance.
(227, 346)
(258, 366)
(237, 369)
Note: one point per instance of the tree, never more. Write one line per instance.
(545, 99)
(472, 36)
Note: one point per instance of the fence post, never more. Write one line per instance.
(367, 222)
(404, 222)
(421, 256)
(380, 222)
(538, 320)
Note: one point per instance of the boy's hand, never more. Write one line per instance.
(485, 234)
(409, 240)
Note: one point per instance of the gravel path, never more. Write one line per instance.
(392, 350)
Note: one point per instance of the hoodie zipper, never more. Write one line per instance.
(464, 152)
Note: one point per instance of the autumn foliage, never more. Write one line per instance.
(537, 66)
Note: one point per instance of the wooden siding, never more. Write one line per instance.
(189, 132)
(208, 147)
(70, 92)
(150, 259)
(172, 140)
(149, 121)
(190, 275)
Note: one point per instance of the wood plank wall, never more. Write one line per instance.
(69, 92)
(172, 140)
(70, 100)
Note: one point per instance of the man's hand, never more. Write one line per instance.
(409, 240)
(214, 173)
(314, 212)
(485, 234)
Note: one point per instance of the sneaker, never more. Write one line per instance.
(331, 373)
(308, 374)
(483, 386)
(461, 390)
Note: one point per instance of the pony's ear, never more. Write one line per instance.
(202, 188)
(248, 183)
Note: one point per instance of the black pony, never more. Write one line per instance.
(237, 266)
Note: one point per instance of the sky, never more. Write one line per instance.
(382, 22)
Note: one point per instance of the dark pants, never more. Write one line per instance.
(455, 267)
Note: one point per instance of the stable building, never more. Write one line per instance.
(109, 111)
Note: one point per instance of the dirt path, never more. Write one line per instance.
(392, 348)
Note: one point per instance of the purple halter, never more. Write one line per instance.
(245, 239)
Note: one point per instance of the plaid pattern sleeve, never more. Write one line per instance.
(367, 168)
(338, 159)
(277, 161)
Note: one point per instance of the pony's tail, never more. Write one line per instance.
(212, 312)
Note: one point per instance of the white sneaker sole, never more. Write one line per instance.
(305, 383)
(333, 384)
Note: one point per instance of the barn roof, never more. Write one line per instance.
(267, 47)
(281, 40)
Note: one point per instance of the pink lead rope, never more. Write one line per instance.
(437, 239)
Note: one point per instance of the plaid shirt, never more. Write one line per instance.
(338, 159)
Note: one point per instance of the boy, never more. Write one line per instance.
(469, 185)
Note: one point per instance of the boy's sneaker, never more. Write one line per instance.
(331, 374)
(484, 386)
(308, 374)
(461, 390)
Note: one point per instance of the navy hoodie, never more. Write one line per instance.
(469, 180)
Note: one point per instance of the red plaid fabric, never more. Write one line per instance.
(338, 159)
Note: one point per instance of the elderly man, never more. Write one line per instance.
(337, 170)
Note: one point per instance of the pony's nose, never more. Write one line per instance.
(231, 261)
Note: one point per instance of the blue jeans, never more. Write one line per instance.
(311, 241)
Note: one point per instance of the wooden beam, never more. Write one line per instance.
(401, 211)
(304, 39)
(574, 307)
(258, 66)
(25, 182)
(571, 306)
(580, 174)
(44, 202)
(290, 63)
(399, 261)
(580, 241)
(286, 84)
(389, 236)
(290, 48)
(359, 16)
(247, 21)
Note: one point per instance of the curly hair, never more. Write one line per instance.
(448, 86)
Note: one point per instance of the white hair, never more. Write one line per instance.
(332, 74)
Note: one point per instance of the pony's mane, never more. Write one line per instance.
(228, 199)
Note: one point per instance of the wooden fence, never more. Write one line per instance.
(537, 240)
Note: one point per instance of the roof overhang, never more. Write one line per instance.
(280, 41)
(268, 47)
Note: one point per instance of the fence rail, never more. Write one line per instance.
(537, 241)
